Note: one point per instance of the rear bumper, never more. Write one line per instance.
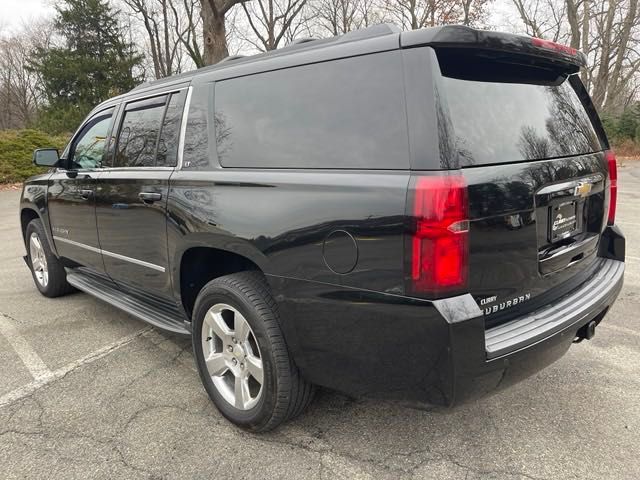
(375, 344)
(518, 349)
(579, 307)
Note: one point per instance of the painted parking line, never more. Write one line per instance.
(27, 354)
(44, 380)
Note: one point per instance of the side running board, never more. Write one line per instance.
(163, 315)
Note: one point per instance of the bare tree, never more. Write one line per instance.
(542, 18)
(214, 27)
(619, 60)
(271, 21)
(337, 16)
(19, 95)
(370, 13)
(188, 32)
(607, 31)
(171, 29)
(415, 14)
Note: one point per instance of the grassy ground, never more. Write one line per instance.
(16, 151)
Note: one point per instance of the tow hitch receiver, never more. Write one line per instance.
(586, 332)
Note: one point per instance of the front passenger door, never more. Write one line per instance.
(71, 193)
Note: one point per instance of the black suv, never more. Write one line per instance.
(426, 215)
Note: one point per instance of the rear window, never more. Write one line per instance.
(339, 114)
(506, 113)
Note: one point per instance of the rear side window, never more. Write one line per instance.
(149, 132)
(341, 114)
(170, 133)
(506, 113)
(139, 133)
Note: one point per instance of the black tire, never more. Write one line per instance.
(285, 393)
(56, 284)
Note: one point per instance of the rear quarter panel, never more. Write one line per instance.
(281, 219)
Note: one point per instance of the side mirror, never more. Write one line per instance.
(46, 157)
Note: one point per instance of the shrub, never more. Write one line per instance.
(16, 152)
(627, 148)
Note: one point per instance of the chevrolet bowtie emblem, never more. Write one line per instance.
(582, 190)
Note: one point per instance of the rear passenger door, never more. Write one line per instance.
(131, 194)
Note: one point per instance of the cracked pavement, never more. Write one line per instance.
(118, 399)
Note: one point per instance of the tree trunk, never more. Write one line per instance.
(602, 78)
(586, 18)
(622, 45)
(215, 35)
(572, 17)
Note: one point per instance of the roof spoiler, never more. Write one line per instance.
(545, 52)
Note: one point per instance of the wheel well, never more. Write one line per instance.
(200, 265)
(26, 215)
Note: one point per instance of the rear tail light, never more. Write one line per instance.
(439, 240)
(610, 157)
(549, 45)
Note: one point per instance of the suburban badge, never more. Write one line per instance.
(512, 302)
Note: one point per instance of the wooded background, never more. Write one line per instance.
(52, 72)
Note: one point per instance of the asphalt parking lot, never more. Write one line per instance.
(87, 391)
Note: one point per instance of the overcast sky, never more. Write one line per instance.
(14, 12)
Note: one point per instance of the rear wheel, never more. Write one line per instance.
(241, 354)
(47, 270)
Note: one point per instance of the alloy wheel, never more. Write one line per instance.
(232, 356)
(38, 259)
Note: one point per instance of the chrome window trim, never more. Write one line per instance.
(154, 92)
(110, 254)
(183, 129)
(129, 169)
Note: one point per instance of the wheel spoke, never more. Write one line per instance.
(254, 365)
(218, 325)
(242, 392)
(241, 327)
(37, 264)
(36, 242)
(216, 364)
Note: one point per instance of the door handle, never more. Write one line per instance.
(86, 194)
(150, 197)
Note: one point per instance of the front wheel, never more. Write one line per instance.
(48, 272)
(241, 354)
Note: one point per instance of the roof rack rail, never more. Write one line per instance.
(376, 30)
(230, 58)
(298, 41)
(142, 85)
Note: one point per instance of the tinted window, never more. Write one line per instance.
(340, 114)
(515, 114)
(139, 133)
(88, 147)
(168, 143)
